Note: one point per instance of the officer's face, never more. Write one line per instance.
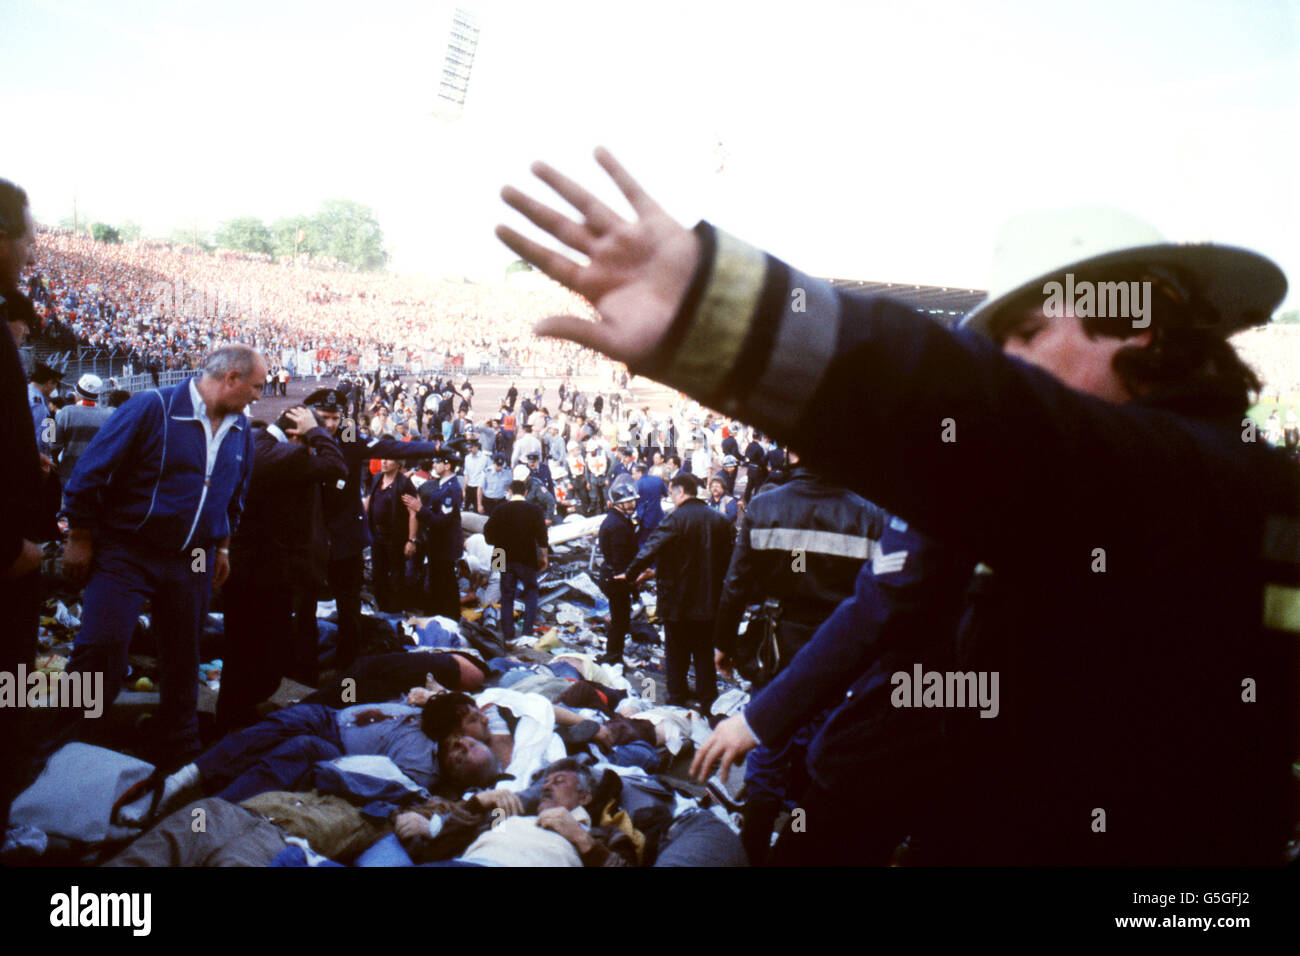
(330, 421)
(1061, 347)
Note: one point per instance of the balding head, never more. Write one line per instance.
(233, 378)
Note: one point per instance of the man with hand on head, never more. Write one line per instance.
(275, 550)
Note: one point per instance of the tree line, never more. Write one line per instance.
(341, 229)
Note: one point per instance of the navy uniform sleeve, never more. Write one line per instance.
(326, 463)
(907, 585)
(395, 450)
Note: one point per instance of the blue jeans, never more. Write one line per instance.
(123, 577)
(521, 574)
(276, 754)
(698, 838)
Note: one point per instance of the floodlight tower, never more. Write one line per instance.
(457, 64)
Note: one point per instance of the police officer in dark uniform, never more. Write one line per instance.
(445, 413)
(755, 467)
(801, 546)
(540, 471)
(349, 533)
(618, 548)
(437, 508)
(420, 403)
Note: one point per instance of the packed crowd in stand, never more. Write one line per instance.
(167, 307)
(373, 568)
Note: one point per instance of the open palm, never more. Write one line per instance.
(638, 272)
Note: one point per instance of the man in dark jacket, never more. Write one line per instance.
(437, 508)
(617, 549)
(801, 544)
(755, 467)
(273, 552)
(349, 534)
(692, 548)
(394, 532)
(20, 555)
(1081, 457)
(517, 533)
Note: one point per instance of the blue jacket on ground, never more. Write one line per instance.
(143, 475)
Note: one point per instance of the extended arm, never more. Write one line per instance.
(745, 333)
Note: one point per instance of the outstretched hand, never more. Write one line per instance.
(729, 742)
(638, 272)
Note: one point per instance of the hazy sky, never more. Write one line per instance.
(872, 140)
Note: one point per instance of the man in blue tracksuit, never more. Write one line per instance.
(151, 508)
(650, 494)
(1137, 630)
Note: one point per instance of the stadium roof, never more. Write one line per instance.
(943, 303)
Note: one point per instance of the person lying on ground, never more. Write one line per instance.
(279, 752)
(491, 828)
(380, 678)
(623, 741)
(255, 831)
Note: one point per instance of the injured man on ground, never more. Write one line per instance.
(510, 778)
